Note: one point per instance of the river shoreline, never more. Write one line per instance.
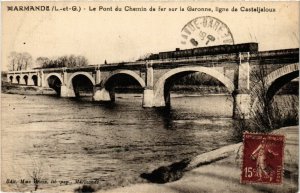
(219, 171)
(215, 171)
(189, 90)
(8, 88)
(177, 91)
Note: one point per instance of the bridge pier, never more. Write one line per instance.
(158, 100)
(30, 81)
(41, 78)
(22, 81)
(14, 80)
(101, 94)
(241, 96)
(148, 98)
(148, 95)
(65, 91)
(98, 76)
(241, 106)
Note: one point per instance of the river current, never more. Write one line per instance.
(66, 139)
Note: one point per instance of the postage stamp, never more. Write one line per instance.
(262, 158)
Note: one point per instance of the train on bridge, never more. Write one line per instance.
(212, 50)
(234, 66)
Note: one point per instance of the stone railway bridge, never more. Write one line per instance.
(238, 72)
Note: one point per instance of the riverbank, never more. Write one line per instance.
(220, 172)
(8, 88)
(214, 171)
(189, 90)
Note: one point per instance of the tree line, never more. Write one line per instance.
(24, 61)
(62, 61)
(19, 61)
(198, 79)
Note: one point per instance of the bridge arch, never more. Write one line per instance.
(57, 75)
(161, 92)
(80, 81)
(88, 75)
(54, 83)
(106, 88)
(125, 72)
(11, 78)
(34, 79)
(25, 79)
(18, 78)
(275, 81)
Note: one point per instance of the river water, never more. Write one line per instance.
(66, 139)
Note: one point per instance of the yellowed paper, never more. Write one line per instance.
(98, 96)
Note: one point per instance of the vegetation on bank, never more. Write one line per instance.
(62, 61)
(24, 61)
(19, 61)
(270, 118)
(267, 113)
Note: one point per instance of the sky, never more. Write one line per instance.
(118, 36)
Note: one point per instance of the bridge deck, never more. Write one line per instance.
(264, 57)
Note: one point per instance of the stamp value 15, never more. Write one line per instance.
(262, 158)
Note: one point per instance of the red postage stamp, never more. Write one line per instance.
(262, 158)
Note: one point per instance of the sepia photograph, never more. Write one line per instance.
(149, 97)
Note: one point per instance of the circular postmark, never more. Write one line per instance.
(206, 31)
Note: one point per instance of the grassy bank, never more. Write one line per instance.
(8, 88)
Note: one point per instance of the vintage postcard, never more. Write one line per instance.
(149, 96)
